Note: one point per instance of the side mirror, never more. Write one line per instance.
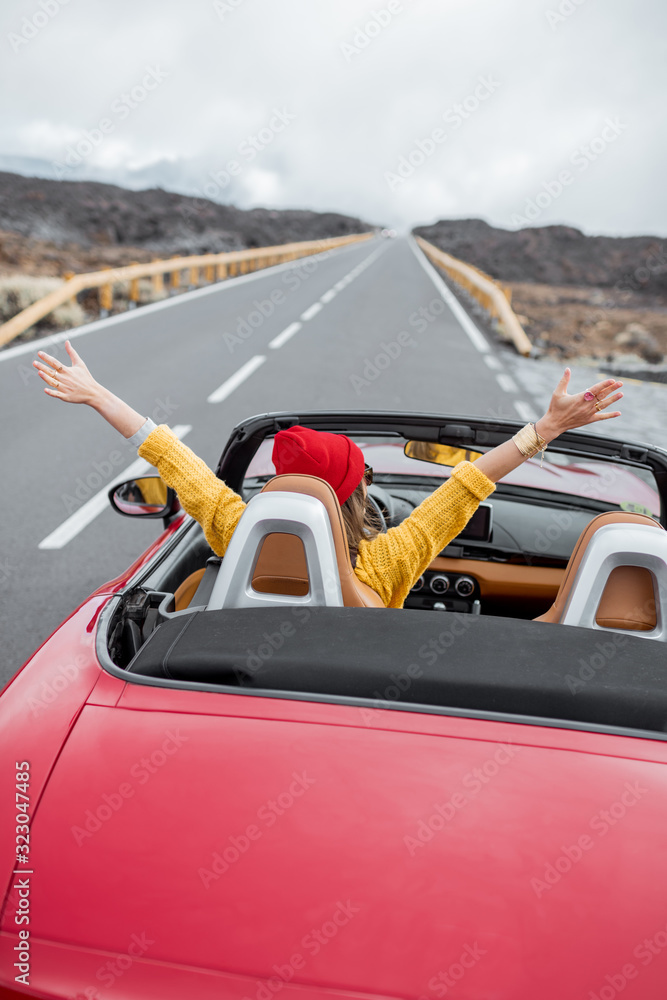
(146, 497)
(439, 454)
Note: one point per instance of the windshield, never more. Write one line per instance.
(628, 487)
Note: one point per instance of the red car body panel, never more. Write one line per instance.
(46, 695)
(210, 845)
(217, 843)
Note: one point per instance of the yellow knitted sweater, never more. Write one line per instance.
(390, 563)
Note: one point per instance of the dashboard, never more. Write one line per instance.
(509, 560)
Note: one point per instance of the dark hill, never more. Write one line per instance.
(554, 255)
(95, 215)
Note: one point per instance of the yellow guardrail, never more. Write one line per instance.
(490, 294)
(217, 266)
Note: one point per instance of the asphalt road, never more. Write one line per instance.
(378, 301)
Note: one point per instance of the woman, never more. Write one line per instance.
(388, 562)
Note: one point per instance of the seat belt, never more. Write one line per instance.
(203, 591)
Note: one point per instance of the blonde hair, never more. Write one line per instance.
(360, 519)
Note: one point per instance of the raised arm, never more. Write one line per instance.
(391, 562)
(205, 497)
(77, 385)
(564, 414)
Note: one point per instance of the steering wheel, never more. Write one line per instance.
(380, 512)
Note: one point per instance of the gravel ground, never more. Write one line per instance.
(643, 407)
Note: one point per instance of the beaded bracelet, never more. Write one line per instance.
(529, 442)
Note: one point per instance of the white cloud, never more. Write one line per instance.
(356, 117)
(40, 136)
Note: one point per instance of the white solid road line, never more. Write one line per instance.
(235, 380)
(311, 311)
(506, 382)
(49, 343)
(81, 518)
(283, 337)
(525, 410)
(475, 334)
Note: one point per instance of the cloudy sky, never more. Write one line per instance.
(398, 111)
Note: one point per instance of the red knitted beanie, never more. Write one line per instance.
(332, 457)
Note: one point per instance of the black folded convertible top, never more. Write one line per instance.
(446, 660)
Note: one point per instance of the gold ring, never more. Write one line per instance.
(598, 407)
(56, 383)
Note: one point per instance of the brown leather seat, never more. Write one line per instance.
(281, 567)
(186, 591)
(628, 599)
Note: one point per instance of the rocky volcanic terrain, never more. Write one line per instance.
(48, 227)
(597, 297)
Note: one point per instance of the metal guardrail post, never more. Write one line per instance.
(106, 296)
(133, 296)
(67, 276)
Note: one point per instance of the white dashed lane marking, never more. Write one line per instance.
(492, 362)
(87, 513)
(316, 307)
(283, 337)
(311, 311)
(525, 410)
(235, 380)
(506, 382)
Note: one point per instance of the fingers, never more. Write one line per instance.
(50, 378)
(606, 386)
(43, 368)
(604, 403)
(72, 353)
(611, 399)
(604, 416)
(561, 388)
(50, 360)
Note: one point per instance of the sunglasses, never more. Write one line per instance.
(368, 475)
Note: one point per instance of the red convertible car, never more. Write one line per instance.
(234, 779)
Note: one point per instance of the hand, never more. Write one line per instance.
(72, 385)
(567, 412)
(77, 385)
